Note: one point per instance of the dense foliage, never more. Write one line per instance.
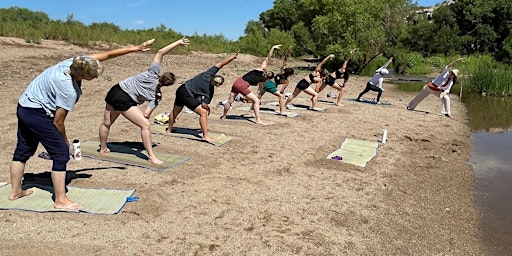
(377, 28)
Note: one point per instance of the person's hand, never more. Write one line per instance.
(183, 41)
(145, 46)
(236, 54)
(353, 50)
(277, 46)
(330, 56)
(205, 106)
(390, 58)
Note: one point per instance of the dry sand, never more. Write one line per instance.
(270, 191)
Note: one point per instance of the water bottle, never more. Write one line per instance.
(77, 152)
(384, 136)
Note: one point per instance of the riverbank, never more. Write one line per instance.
(270, 191)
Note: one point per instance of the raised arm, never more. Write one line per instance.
(344, 66)
(267, 59)
(160, 54)
(122, 51)
(385, 65)
(319, 67)
(227, 60)
(455, 61)
(285, 59)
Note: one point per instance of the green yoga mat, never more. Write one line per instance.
(193, 134)
(356, 152)
(131, 153)
(97, 201)
(270, 111)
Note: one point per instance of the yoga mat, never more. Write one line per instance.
(298, 106)
(356, 152)
(369, 101)
(193, 134)
(131, 153)
(97, 201)
(237, 119)
(270, 111)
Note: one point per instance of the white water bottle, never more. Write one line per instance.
(384, 136)
(77, 152)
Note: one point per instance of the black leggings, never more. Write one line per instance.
(371, 87)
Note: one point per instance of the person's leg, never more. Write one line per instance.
(281, 101)
(366, 89)
(227, 105)
(341, 92)
(59, 187)
(174, 114)
(135, 115)
(16, 170)
(294, 94)
(446, 105)
(314, 95)
(203, 122)
(425, 91)
(109, 117)
(319, 87)
(379, 94)
(256, 107)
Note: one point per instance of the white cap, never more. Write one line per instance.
(384, 71)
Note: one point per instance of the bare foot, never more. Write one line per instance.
(14, 196)
(223, 117)
(155, 160)
(104, 151)
(339, 104)
(207, 138)
(261, 123)
(70, 205)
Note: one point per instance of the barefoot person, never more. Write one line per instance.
(440, 87)
(124, 98)
(42, 110)
(197, 93)
(375, 83)
(241, 85)
(280, 79)
(337, 74)
(314, 78)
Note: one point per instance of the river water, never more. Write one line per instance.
(490, 121)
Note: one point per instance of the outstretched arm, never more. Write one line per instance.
(265, 62)
(385, 65)
(344, 67)
(285, 59)
(227, 60)
(319, 67)
(160, 54)
(122, 51)
(455, 61)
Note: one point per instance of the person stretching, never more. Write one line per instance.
(282, 78)
(375, 84)
(124, 98)
(241, 85)
(337, 74)
(197, 93)
(303, 85)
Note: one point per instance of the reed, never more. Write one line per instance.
(488, 79)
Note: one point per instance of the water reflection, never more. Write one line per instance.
(490, 121)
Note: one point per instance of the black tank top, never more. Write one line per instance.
(254, 77)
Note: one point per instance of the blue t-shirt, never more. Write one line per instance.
(52, 89)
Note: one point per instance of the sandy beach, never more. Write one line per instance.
(271, 190)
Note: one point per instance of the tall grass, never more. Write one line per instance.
(489, 80)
